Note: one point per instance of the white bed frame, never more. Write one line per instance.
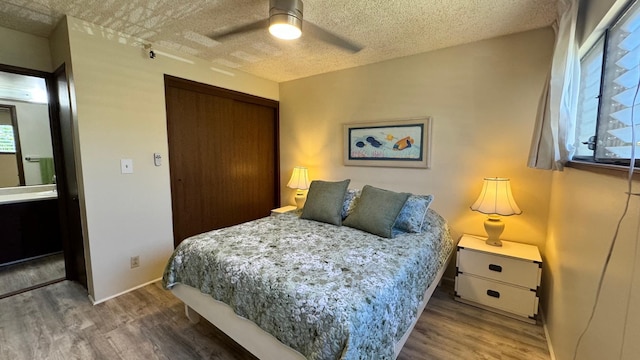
(257, 341)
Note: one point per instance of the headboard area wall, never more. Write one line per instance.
(483, 99)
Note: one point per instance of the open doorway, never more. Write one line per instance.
(31, 251)
(39, 222)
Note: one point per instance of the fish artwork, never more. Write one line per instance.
(375, 143)
(403, 143)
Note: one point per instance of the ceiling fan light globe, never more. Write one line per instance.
(285, 26)
(285, 31)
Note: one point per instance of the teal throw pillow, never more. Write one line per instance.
(324, 201)
(376, 211)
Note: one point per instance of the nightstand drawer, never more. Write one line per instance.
(516, 300)
(509, 270)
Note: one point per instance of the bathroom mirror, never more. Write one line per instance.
(26, 152)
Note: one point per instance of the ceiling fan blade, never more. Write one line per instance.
(326, 36)
(261, 24)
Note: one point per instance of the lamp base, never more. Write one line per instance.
(300, 199)
(494, 227)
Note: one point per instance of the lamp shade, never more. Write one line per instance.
(496, 198)
(299, 178)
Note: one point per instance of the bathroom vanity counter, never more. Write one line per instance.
(16, 198)
(27, 193)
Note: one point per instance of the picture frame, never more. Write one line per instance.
(397, 143)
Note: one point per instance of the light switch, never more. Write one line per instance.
(126, 166)
(157, 159)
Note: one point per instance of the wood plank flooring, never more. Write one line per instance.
(448, 329)
(59, 322)
(32, 273)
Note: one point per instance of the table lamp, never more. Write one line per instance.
(495, 200)
(299, 181)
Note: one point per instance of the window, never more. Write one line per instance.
(7, 141)
(609, 79)
(588, 99)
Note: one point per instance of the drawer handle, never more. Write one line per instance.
(493, 293)
(496, 268)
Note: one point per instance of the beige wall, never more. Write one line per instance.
(120, 114)
(9, 175)
(24, 50)
(585, 209)
(482, 97)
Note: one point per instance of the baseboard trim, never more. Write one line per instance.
(96, 302)
(543, 316)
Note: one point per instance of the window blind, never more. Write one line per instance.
(620, 80)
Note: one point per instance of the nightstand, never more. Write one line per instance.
(283, 210)
(502, 279)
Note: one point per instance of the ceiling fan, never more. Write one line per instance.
(285, 22)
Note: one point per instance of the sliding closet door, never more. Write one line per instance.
(223, 156)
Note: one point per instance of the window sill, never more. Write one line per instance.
(605, 169)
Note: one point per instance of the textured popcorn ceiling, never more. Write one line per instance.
(385, 29)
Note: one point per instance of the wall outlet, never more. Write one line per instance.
(135, 261)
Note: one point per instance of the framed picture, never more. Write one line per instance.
(400, 143)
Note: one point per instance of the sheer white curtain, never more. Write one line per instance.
(554, 133)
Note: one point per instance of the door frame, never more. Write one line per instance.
(68, 199)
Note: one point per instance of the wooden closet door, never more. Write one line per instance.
(223, 157)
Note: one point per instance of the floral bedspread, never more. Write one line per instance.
(326, 291)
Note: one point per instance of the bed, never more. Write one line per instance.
(285, 287)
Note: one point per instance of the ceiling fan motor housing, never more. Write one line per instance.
(286, 12)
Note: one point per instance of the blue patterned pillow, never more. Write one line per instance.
(350, 201)
(411, 217)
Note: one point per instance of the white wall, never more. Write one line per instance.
(24, 50)
(483, 99)
(120, 114)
